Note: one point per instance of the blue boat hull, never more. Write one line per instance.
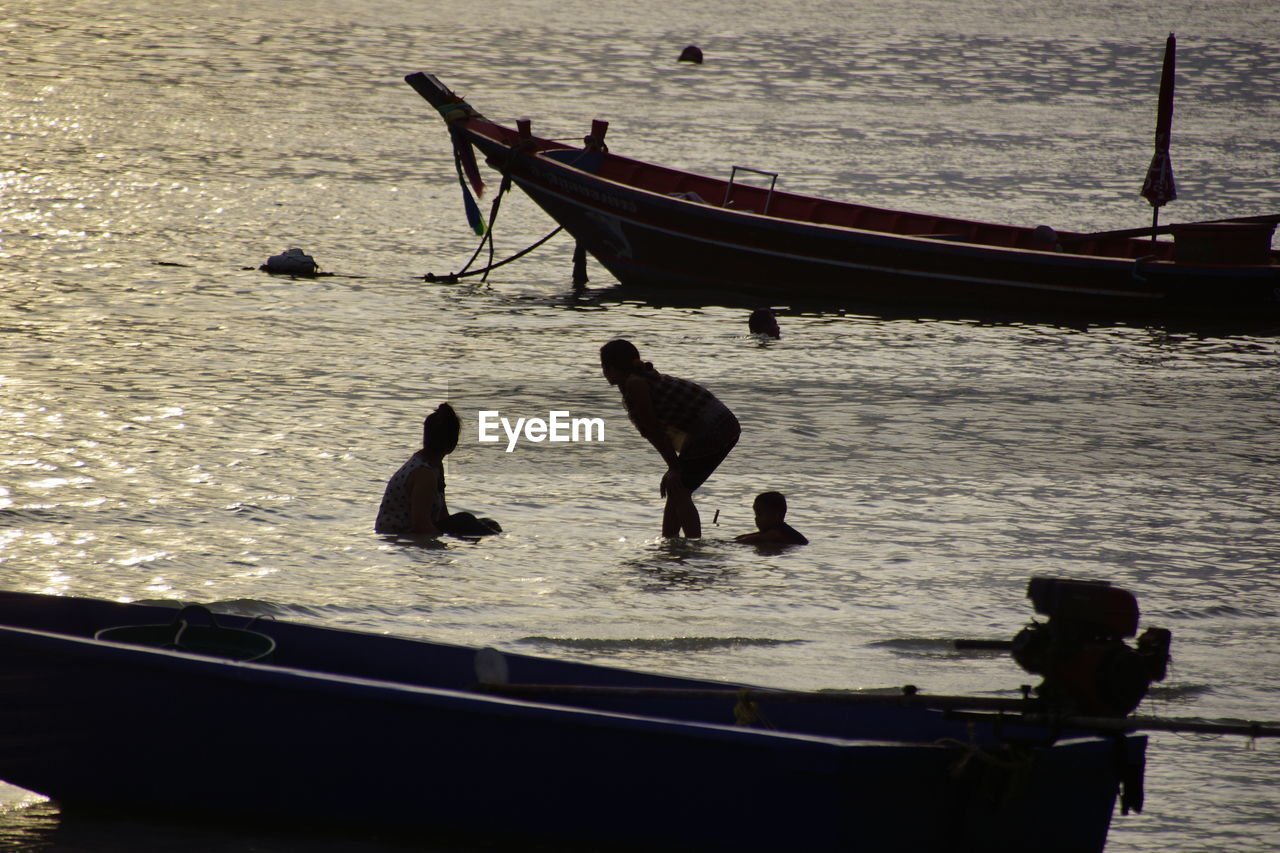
(340, 727)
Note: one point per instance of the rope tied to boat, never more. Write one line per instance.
(999, 779)
(465, 161)
(971, 751)
(452, 278)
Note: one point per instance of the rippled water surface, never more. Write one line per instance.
(175, 424)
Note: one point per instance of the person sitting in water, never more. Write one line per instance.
(763, 322)
(413, 503)
(771, 510)
(685, 423)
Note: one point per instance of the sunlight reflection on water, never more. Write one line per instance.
(176, 424)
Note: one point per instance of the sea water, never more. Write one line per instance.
(176, 425)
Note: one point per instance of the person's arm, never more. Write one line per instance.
(639, 403)
(762, 537)
(423, 485)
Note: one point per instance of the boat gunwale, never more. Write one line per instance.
(549, 152)
(450, 698)
(939, 240)
(940, 248)
(295, 677)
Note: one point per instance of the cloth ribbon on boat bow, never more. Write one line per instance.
(464, 158)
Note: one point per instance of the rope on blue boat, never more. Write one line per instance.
(970, 751)
(746, 712)
(1001, 780)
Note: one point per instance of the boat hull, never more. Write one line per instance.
(661, 229)
(387, 734)
(649, 241)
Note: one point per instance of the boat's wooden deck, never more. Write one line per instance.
(800, 208)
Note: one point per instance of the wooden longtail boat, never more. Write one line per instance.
(149, 711)
(656, 227)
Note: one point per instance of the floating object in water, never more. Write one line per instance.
(692, 53)
(291, 262)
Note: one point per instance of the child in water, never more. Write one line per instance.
(771, 510)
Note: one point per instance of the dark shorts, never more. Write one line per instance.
(703, 455)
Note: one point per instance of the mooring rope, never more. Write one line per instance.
(452, 278)
(466, 271)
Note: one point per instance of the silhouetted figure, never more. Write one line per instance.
(685, 423)
(771, 513)
(762, 322)
(692, 53)
(413, 503)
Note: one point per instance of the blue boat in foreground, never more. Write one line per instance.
(148, 710)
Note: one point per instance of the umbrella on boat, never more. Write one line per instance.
(1158, 188)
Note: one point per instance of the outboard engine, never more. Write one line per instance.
(1088, 668)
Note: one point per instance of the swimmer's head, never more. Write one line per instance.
(763, 322)
(770, 508)
(618, 358)
(440, 430)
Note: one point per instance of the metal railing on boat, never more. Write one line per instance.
(733, 174)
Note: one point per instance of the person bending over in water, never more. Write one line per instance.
(685, 423)
(414, 503)
(771, 510)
